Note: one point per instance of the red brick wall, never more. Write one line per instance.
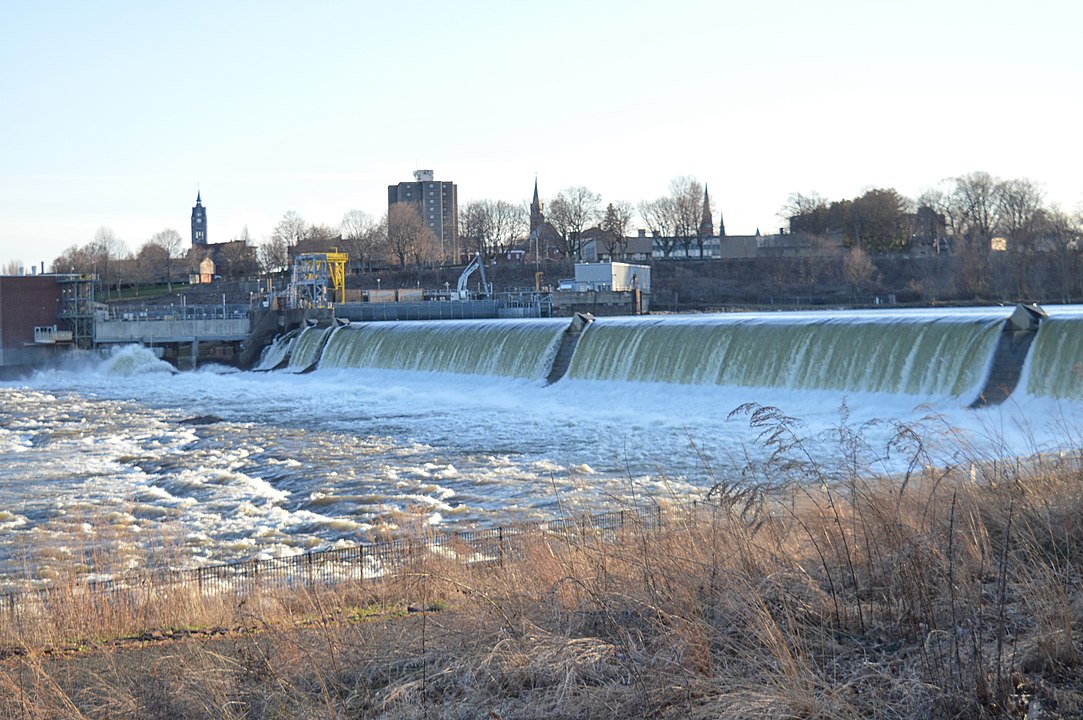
(26, 302)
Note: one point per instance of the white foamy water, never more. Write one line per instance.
(289, 462)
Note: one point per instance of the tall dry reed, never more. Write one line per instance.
(823, 592)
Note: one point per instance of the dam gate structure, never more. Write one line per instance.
(1010, 355)
(568, 342)
(965, 355)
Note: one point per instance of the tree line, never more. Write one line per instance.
(400, 238)
(964, 213)
(962, 216)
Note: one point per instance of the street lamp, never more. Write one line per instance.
(377, 284)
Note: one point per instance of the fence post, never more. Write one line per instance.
(500, 536)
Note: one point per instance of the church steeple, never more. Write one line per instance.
(199, 222)
(537, 217)
(706, 225)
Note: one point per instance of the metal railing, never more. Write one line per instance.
(151, 313)
(369, 562)
(359, 563)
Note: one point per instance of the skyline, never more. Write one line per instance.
(131, 110)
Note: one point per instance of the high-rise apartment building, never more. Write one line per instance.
(438, 205)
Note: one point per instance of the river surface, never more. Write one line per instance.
(118, 458)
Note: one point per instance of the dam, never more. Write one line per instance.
(971, 355)
(352, 430)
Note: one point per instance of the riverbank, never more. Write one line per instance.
(940, 594)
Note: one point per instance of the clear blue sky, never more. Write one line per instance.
(114, 113)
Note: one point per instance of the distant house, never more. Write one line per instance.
(635, 248)
(928, 230)
(205, 276)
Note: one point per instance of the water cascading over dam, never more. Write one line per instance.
(1055, 366)
(912, 355)
(307, 347)
(509, 348)
(277, 354)
(930, 354)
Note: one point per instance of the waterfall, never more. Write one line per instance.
(510, 348)
(307, 346)
(923, 353)
(914, 354)
(1055, 366)
(274, 354)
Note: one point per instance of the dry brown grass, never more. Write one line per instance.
(926, 596)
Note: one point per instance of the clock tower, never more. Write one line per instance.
(199, 222)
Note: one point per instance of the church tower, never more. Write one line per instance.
(199, 222)
(706, 225)
(537, 218)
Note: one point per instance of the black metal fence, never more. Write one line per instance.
(359, 563)
(369, 562)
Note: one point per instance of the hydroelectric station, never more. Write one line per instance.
(976, 356)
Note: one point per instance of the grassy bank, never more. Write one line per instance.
(936, 594)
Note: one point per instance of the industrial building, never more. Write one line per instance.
(41, 315)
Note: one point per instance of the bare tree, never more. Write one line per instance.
(75, 259)
(13, 267)
(858, 269)
(150, 265)
(425, 248)
(974, 200)
(105, 250)
(1019, 209)
(615, 226)
(408, 237)
(658, 216)
(939, 199)
(360, 237)
(290, 230)
(492, 227)
(1065, 233)
(508, 226)
(170, 241)
(571, 212)
(674, 219)
(273, 255)
(474, 226)
(318, 239)
(237, 259)
(806, 213)
(686, 205)
(798, 204)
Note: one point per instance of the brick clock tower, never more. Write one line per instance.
(199, 223)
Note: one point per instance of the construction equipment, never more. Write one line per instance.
(486, 288)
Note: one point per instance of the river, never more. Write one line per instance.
(114, 459)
